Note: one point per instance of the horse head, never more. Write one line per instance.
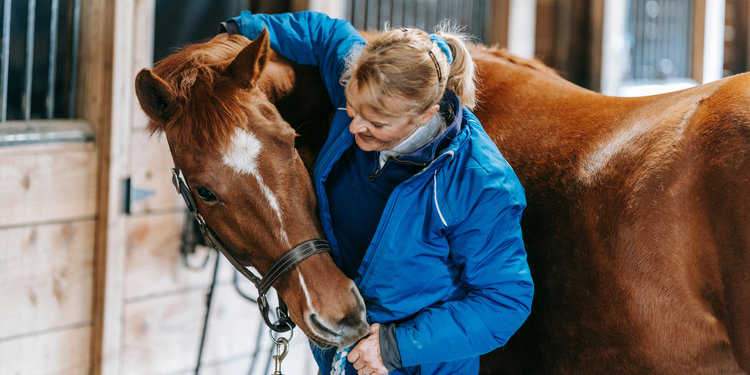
(216, 104)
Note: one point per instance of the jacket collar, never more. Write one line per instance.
(452, 111)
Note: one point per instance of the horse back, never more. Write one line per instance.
(637, 223)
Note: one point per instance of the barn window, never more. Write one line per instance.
(659, 33)
(39, 72)
(424, 14)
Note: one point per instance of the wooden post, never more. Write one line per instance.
(522, 28)
(498, 34)
(333, 8)
(608, 54)
(596, 18)
(110, 228)
(708, 40)
(513, 26)
(115, 30)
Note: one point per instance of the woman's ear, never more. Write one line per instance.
(427, 115)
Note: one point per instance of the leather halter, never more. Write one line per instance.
(285, 263)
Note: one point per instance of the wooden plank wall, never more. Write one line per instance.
(46, 257)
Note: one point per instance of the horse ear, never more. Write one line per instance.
(250, 62)
(155, 96)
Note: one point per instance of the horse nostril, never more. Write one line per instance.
(361, 309)
(320, 326)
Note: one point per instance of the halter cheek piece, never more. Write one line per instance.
(284, 264)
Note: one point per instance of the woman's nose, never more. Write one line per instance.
(357, 125)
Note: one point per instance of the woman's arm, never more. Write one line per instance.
(307, 38)
(488, 246)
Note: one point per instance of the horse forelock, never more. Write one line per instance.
(209, 106)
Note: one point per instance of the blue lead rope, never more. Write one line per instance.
(338, 367)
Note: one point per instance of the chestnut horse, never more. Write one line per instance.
(638, 220)
(218, 110)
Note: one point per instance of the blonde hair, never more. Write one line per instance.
(397, 65)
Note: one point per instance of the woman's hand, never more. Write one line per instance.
(365, 357)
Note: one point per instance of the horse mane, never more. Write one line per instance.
(504, 54)
(209, 105)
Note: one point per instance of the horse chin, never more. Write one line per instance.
(325, 344)
(326, 338)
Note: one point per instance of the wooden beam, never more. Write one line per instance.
(111, 42)
(46, 277)
(298, 5)
(522, 28)
(62, 352)
(499, 24)
(611, 55)
(53, 186)
(708, 40)
(596, 19)
(513, 26)
(333, 8)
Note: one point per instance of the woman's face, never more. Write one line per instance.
(376, 132)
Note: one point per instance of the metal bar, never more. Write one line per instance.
(5, 57)
(29, 59)
(76, 27)
(209, 298)
(52, 59)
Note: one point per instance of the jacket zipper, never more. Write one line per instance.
(389, 210)
(374, 175)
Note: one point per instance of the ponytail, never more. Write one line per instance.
(462, 78)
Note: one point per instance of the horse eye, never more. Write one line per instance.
(205, 194)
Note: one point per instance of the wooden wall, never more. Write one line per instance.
(46, 258)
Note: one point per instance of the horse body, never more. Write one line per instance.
(636, 227)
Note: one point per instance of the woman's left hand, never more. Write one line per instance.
(365, 357)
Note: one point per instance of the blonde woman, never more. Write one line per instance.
(421, 209)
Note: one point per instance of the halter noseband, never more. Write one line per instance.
(285, 263)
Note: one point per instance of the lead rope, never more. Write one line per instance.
(338, 367)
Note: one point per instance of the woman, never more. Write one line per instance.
(421, 209)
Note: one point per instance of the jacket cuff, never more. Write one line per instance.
(230, 27)
(389, 347)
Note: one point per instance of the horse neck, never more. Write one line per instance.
(302, 100)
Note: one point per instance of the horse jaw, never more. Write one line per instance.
(329, 308)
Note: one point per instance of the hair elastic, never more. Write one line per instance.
(443, 45)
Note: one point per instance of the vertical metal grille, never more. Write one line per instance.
(660, 37)
(424, 14)
(39, 59)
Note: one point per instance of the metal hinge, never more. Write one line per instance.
(132, 194)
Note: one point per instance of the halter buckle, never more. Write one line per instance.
(284, 323)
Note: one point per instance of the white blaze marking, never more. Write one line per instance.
(307, 293)
(242, 157)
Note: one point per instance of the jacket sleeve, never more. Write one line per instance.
(488, 246)
(308, 38)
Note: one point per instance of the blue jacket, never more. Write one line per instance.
(447, 262)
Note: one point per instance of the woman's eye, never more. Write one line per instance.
(205, 194)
